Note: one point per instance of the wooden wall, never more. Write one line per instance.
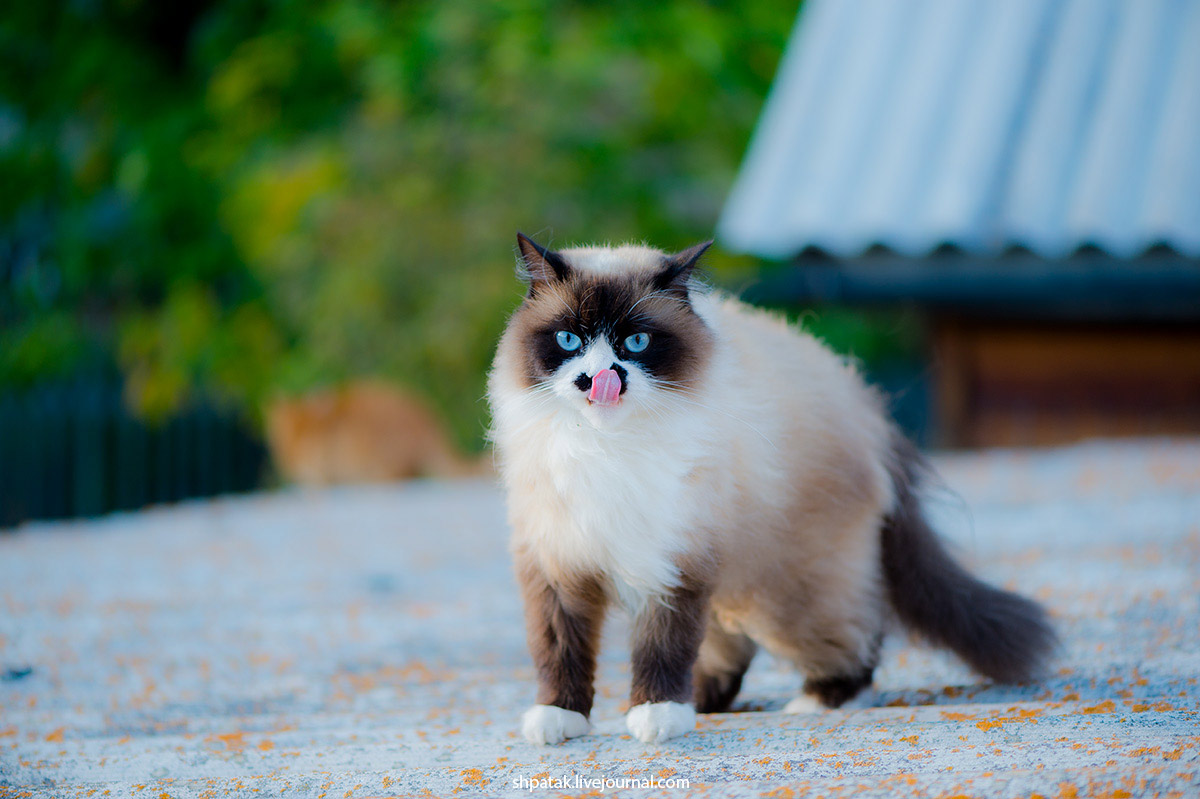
(1016, 384)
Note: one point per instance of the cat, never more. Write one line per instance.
(363, 432)
(728, 480)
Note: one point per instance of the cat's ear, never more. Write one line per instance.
(541, 265)
(677, 268)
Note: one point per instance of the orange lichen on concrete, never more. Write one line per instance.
(781, 793)
(999, 721)
(233, 741)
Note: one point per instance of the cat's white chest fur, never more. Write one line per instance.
(614, 502)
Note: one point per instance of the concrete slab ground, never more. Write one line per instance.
(368, 642)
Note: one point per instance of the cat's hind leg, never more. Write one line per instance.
(724, 658)
(825, 693)
(832, 681)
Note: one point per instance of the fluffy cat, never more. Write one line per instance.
(729, 481)
(363, 432)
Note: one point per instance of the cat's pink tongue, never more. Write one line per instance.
(606, 388)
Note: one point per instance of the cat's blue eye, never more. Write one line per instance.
(568, 340)
(637, 342)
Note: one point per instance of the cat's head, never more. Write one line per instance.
(608, 332)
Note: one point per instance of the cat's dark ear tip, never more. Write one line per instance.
(691, 254)
(530, 248)
(685, 259)
(541, 264)
(677, 268)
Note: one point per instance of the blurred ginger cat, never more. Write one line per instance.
(363, 432)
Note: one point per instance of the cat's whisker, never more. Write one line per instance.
(571, 309)
(655, 294)
(684, 394)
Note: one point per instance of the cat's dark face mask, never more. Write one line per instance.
(608, 344)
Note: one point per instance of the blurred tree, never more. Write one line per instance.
(243, 197)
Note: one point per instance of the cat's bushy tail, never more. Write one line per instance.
(999, 634)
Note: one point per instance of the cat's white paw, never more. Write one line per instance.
(804, 704)
(653, 722)
(547, 724)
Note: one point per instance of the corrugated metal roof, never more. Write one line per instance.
(1048, 124)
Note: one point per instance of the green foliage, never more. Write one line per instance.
(871, 337)
(242, 198)
(52, 345)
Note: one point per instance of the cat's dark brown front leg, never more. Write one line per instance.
(667, 637)
(563, 619)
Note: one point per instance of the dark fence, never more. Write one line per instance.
(75, 450)
(906, 390)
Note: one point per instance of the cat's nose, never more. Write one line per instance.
(583, 382)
